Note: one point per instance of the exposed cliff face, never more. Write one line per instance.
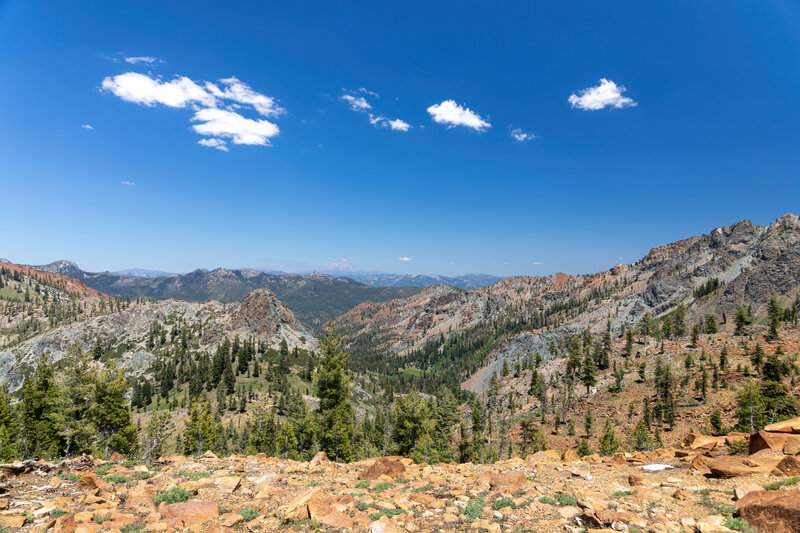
(752, 261)
(261, 316)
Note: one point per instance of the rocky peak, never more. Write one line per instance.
(262, 313)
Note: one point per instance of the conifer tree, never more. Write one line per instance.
(333, 387)
(201, 429)
(609, 442)
(588, 373)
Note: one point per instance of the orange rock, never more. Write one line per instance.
(383, 466)
(64, 524)
(789, 466)
(228, 483)
(696, 441)
(787, 426)
(778, 442)
(116, 457)
(14, 520)
(90, 527)
(508, 481)
(300, 508)
(337, 519)
(231, 519)
(191, 512)
(570, 455)
(773, 511)
(731, 466)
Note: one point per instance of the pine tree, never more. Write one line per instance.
(774, 313)
(333, 387)
(154, 438)
(716, 422)
(9, 429)
(609, 442)
(588, 374)
(750, 410)
(757, 358)
(38, 431)
(201, 429)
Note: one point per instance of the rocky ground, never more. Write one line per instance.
(697, 488)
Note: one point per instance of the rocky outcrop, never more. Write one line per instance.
(776, 512)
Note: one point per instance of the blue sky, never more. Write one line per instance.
(697, 125)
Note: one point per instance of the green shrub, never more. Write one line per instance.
(566, 499)
(249, 514)
(382, 486)
(386, 512)
(70, 477)
(173, 495)
(782, 483)
(474, 509)
(103, 470)
(116, 480)
(55, 513)
(194, 476)
(362, 484)
(738, 524)
(621, 493)
(548, 500)
(503, 502)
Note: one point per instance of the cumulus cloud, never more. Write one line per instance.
(520, 136)
(218, 107)
(452, 114)
(399, 125)
(231, 125)
(607, 94)
(219, 144)
(87, 126)
(383, 122)
(140, 59)
(144, 90)
(357, 103)
(405, 258)
(129, 183)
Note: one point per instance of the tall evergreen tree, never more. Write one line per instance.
(337, 419)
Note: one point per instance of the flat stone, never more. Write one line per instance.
(773, 511)
(191, 512)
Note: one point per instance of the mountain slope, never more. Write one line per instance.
(520, 317)
(127, 335)
(314, 299)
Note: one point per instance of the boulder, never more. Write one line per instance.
(789, 466)
(773, 511)
(570, 455)
(313, 503)
(778, 442)
(383, 466)
(762, 462)
(320, 458)
(191, 512)
(695, 441)
(508, 481)
(228, 483)
(787, 426)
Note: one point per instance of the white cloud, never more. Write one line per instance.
(405, 258)
(367, 91)
(142, 89)
(452, 114)
(87, 126)
(219, 144)
(140, 59)
(537, 263)
(357, 103)
(383, 122)
(399, 125)
(606, 94)
(218, 109)
(520, 136)
(129, 183)
(242, 93)
(232, 125)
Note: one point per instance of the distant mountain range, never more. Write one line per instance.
(314, 299)
(385, 279)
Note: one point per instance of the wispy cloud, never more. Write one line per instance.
(217, 106)
(367, 91)
(405, 258)
(129, 183)
(87, 126)
(537, 263)
(357, 103)
(383, 122)
(520, 136)
(452, 114)
(140, 59)
(219, 144)
(607, 94)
